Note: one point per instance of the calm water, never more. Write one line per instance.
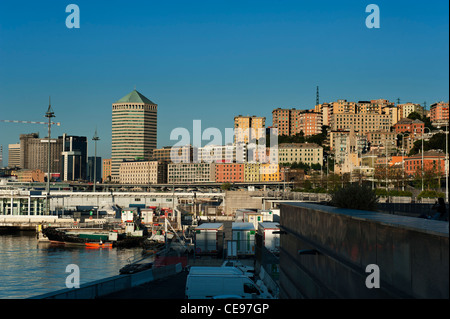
(29, 268)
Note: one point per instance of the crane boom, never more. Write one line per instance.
(29, 122)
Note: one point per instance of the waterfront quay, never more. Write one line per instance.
(324, 252)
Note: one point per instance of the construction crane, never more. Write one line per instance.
(29, 122)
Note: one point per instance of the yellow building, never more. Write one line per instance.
(252, 172)
(308, 153)
(30, 176)
(270, 173)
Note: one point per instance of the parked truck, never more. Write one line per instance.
(215, 282)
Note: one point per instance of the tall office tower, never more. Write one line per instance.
(74, 158)
(34, 153)
(14, 155)
(134, 125)
(243, 126)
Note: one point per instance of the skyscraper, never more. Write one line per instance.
(134, 126)
(74, 158)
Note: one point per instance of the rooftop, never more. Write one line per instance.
(135, 97)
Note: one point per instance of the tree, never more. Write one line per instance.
(436, 142)
(354, 196)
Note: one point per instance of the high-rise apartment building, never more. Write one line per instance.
(247, 128)
(439, 113)
(134, 127)
(292, 121)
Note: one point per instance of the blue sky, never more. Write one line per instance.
(211, 60)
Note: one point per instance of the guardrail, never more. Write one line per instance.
(111, 285)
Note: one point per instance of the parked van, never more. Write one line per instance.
(212, 282)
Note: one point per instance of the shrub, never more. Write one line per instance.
(431, 194)
(382, 192)
(354, 196)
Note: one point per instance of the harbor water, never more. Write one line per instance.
(29, 268)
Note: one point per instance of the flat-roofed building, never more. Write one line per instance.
(188, 173)
(14, 155)
(30, 176)
(143, 172)
(310, 123)
(407, 108)
(270, 173)
(439, 114)
(106, 176)
(252, 172)
(361, 123)
(308, 153)
(229, 172)
(247, 128)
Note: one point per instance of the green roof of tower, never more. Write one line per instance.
(135, 97)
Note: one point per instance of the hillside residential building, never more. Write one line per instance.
(406, 125)
(361, 123)
(247, 128)
(439, 113)
(308, 153)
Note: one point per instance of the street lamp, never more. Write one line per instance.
(446, 163)
(403, 160)
(49, 114)
(423, 132)
(95, 139)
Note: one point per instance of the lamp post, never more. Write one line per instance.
(446, 164)
(95, 139)
(49, 114)
(423, 132)
(403, 160)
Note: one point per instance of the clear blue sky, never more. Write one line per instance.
(211, 60)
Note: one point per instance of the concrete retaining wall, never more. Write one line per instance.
(336, 246)
(111, 285)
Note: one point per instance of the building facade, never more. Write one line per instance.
(134, 130)
(14, 155)
(229, 173)
(143, 172)
(34, 153)
(406, 125)
(186, 173)
(106, 176)
(74, 158)
(247, 128)
(308, 153)
(361, 123)
(439, 114)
